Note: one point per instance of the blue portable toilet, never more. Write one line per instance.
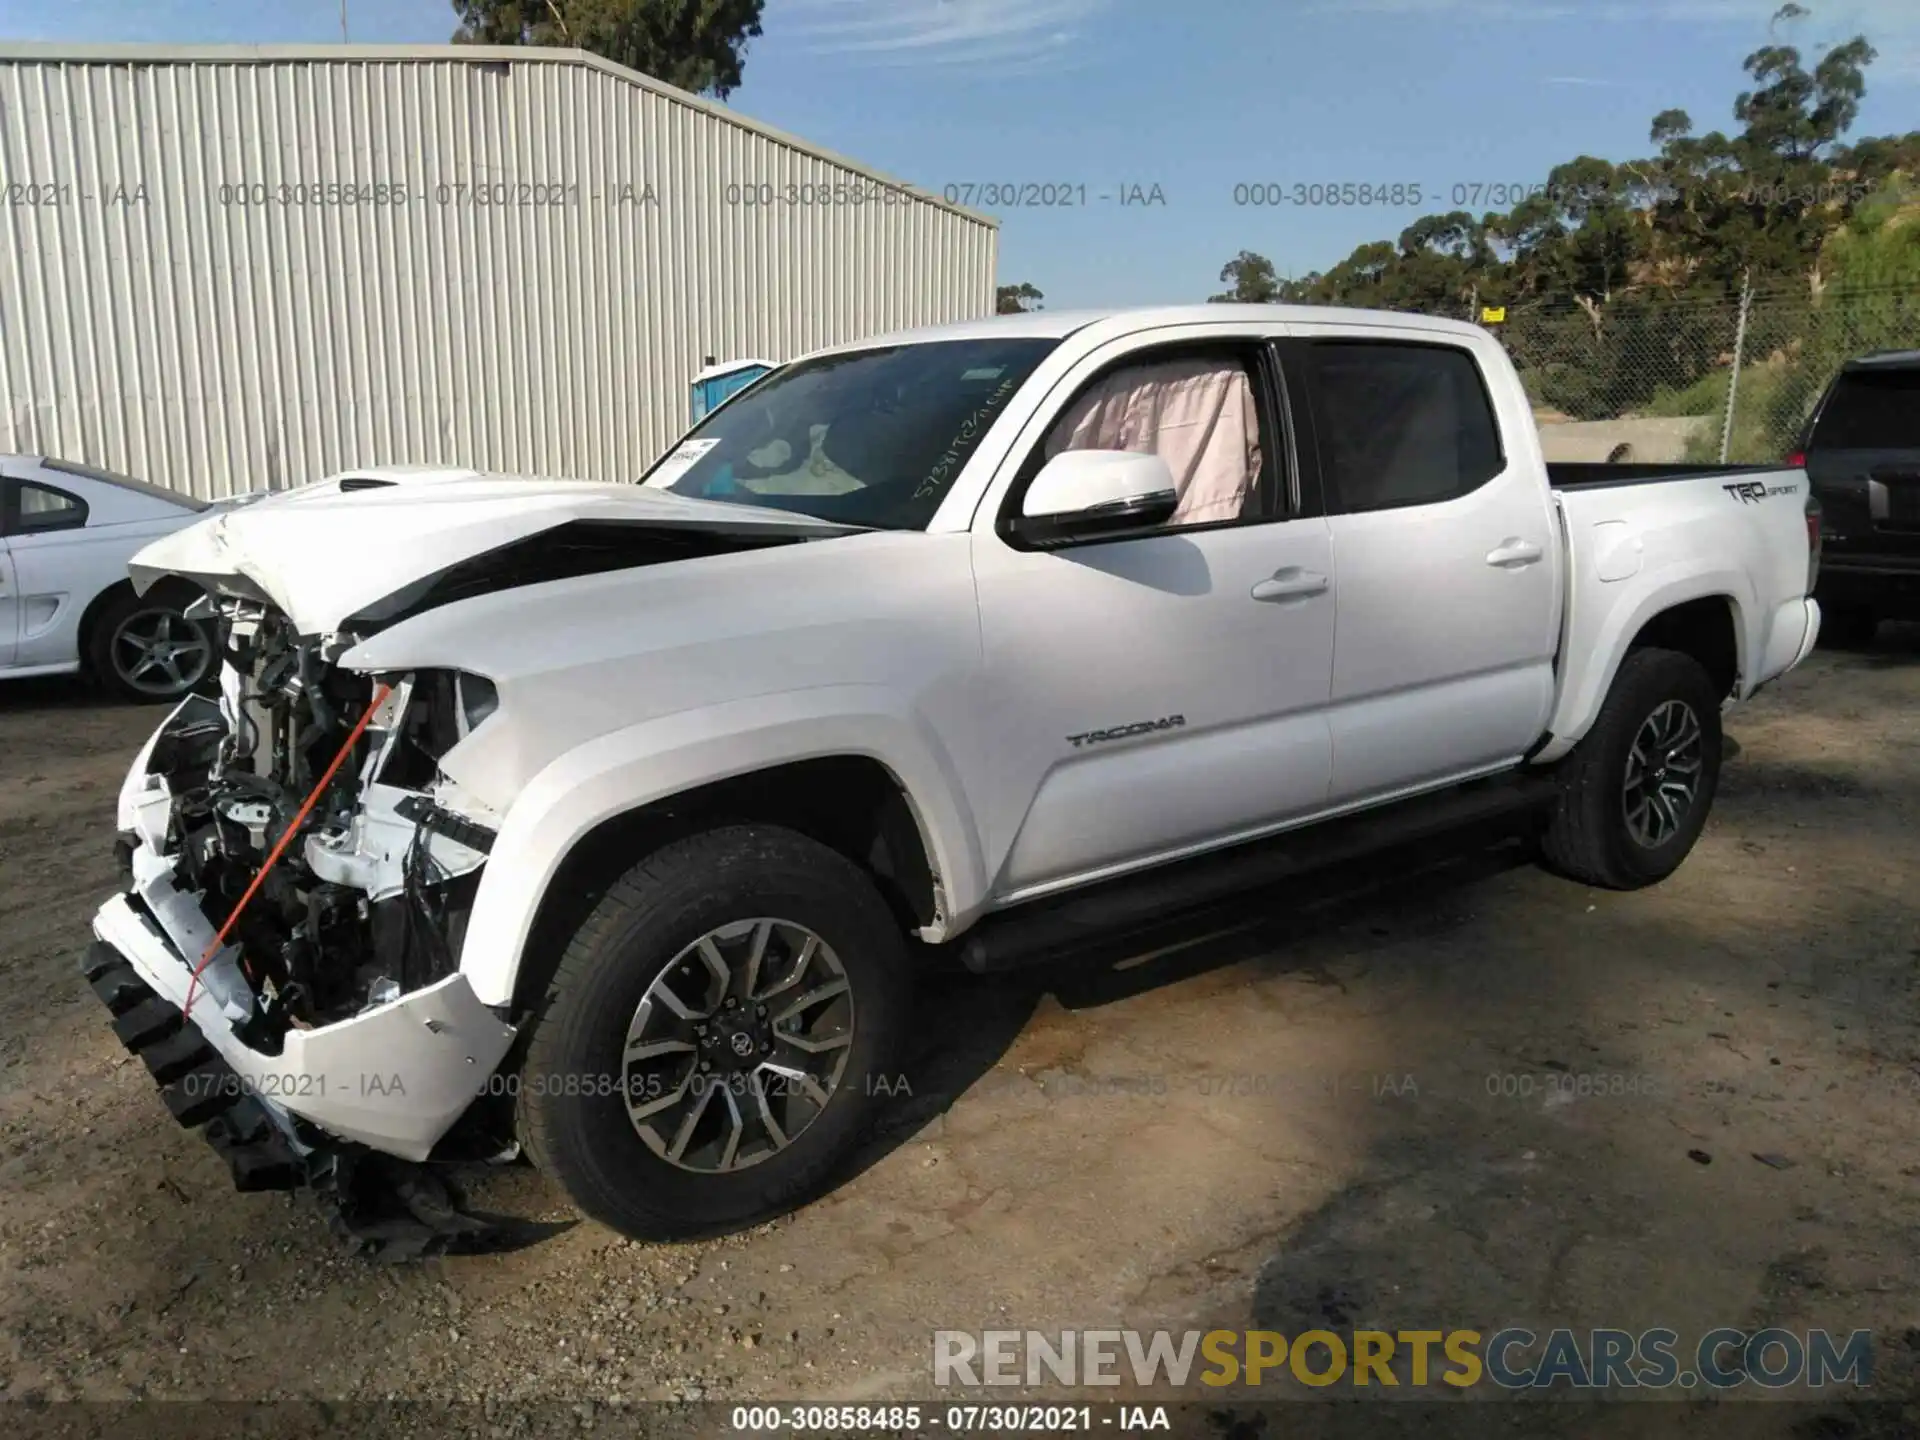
(717, 382)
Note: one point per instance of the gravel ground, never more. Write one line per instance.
(1343, 1107)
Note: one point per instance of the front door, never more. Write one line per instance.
(1167, 691)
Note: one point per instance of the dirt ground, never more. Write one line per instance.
(1336, 1109)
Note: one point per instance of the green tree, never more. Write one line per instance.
(1252, 278)
(1016, 299)
(697, 45)
(1703, 216)
(1755, 207)
(1618, 276)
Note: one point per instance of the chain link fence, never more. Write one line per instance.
(1652, 379)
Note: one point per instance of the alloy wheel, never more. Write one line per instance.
(1663, 774)
(738, 1045)
(160, 652)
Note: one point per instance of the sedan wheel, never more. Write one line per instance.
(159, 654)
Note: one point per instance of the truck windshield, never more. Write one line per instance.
(1871, 410)
(870, 437)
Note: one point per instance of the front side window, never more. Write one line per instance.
(1197, 412)
(871, 437)
(1400, 424)
(44, 508)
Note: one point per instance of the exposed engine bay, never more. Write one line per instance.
(369, 900)
(285, 961)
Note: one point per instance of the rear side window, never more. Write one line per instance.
(1871, 410)
(1400, 424)
(41, 507)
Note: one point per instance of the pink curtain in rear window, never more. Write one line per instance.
(1196, 414)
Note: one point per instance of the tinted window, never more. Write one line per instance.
(873, 437)
(43, 508)
(1400, 424)
(1871, 410)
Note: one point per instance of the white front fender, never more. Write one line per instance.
(628, 769)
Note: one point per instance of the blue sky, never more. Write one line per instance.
(1193, 97)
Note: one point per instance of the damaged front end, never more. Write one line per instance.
(286, 956)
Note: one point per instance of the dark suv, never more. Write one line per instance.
(1862, 455)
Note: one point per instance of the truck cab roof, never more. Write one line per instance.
(1059, 324)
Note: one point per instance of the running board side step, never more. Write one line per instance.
(1033, 933)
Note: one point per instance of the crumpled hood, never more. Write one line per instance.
(325, 552)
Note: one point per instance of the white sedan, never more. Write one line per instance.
(66, 604)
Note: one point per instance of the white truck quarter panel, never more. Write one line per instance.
(1690, 538)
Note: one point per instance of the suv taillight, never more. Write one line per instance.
(1797, 460)
(1813, 538)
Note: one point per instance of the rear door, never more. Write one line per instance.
(1447, 549)
(1863, 458)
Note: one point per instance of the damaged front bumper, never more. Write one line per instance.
(311, 1047)
(394, 1079)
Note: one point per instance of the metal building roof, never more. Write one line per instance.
(135, 53)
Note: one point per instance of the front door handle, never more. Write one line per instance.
(1512, 553)
(1290, 583)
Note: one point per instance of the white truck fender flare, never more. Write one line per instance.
(627, 769)
(1620, 622)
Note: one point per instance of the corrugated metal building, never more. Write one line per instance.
(230, 267)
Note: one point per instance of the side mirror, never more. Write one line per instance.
(1085, 493)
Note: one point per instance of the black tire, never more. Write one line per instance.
(647, 921)
(114, 652)
(1847, 627)
(1589, 836)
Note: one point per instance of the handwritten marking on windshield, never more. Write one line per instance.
(941, 472)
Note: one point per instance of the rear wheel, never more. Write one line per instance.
(1635, 792)
(144, 649)
(716, 1034)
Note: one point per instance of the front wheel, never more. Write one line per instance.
(715, 1035)
(1635, 792)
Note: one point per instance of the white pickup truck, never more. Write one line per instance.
(614, 821)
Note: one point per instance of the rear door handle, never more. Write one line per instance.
(1290, 583)
(1513, 552)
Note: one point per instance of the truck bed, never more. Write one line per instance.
(1591, 474)
(1735, 534)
